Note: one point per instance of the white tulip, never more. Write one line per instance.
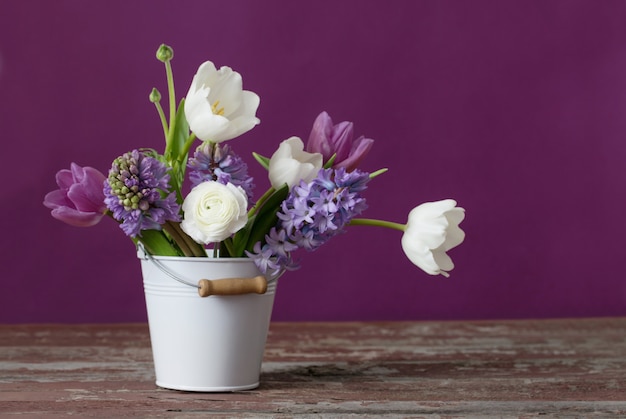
(216, 107)
(290, 164)
(214, 211)
(432, 230)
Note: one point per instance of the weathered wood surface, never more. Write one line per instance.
(544, 368)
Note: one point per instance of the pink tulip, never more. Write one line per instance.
(79, 201)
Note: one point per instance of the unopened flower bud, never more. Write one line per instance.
(155, 96)
(164, 53)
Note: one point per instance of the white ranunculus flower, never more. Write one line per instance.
(290, 164)
(432, 230)
(216, 107)
(214, 211)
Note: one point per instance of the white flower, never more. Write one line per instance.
(290, 164)
(432, 230)
(216, 107)
(214, 211)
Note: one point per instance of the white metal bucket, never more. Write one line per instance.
(215, 343)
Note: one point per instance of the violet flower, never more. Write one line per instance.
(136, 193)
(217, 162)
(315, 212)
(269, 262)
(312, 214)
(329, 139)
(79, 201)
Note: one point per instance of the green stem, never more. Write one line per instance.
(261, 201)
(173, 232)
(163, 120)
(229, 247)
(172, 103)
(187, 245)
(377, 223)
(187, 146)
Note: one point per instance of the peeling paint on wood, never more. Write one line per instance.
(542, 368)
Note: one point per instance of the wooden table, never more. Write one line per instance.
(542, 368)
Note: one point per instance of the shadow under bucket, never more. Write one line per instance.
(209, 344)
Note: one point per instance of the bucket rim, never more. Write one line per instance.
(142, 254)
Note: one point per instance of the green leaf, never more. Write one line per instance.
(179, 135)
(378, 173)
(240, 239)
(157, 243)
(176, 150)
(330, 161)
(266, 217)
(263, 161)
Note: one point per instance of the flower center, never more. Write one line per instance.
(216, 109)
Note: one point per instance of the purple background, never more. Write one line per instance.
(517, 109)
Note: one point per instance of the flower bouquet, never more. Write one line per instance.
(316, 190)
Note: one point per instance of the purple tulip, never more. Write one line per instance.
(79, 201)
(328, 139)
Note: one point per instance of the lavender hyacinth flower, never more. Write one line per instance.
(313, 213)
(135, 193)
(79, 201)
(216, 162)
(329, 139)
(266, 260)
(274, 256)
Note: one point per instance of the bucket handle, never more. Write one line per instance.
(207, 287)
(232, 286)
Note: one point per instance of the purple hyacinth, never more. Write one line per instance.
(136, 193)
(315, 212)
(273, 259)
(312, 214)
(217, 162)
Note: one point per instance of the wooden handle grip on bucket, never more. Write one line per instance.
(232, 286)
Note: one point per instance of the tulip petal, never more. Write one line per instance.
(318, 141)
(431, 230)
(207, 72)
(455, 215)
(76, 218)
(443, 260)
(216, 107)
(56, 199)
(360, 148)
(226, 92)
(431, 235)
(80, 199)
(342, 139)
(337, 140)
(455, 237)
(290, 164)
(64, 178)
(87, 195)
(248, 106)
(420, 255)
